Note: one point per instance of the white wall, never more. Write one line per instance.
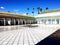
(49, 14)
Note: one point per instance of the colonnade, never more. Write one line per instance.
(49, 21)
(14, 21)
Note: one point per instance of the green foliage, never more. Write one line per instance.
(26, 17)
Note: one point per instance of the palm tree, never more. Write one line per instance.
(38, 10)
(33, 11)
(46, 8)
(8, 11)
(27, 11)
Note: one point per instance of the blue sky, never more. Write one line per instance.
(21, 6)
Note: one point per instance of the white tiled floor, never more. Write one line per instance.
(19, 35)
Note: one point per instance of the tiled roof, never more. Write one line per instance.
(50, 11)
(9, 14)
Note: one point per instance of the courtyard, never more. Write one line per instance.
(24, 35)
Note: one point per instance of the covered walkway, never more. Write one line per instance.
(8, 18)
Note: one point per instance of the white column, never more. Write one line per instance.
(43, 21)
(18, 21)
(47, 21)
(55, 21)
(22, 21)
(39, 21)
(25, 21)
(30, 21)
(9, 21)
(51, 21)
(14, 21)
(4, 21)
(59, 21)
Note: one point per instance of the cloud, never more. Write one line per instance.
(2, 7)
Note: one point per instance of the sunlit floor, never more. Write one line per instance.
(20, 35)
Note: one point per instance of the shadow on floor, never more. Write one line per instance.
(30, 26)
(53, 39)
